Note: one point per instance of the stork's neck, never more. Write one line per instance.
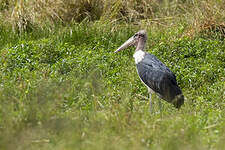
(141, 44)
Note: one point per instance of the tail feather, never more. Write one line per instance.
(178, 101)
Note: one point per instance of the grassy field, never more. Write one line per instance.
(62, 87)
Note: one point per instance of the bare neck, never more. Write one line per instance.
(141, 44)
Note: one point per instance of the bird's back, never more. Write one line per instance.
(160, 79)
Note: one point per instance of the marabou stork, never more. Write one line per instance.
(153, 73)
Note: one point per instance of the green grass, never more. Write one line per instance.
(67, 89)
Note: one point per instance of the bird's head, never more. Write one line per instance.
(138, 39)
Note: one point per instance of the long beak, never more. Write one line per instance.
(128, 43)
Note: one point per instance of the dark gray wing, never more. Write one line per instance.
(158, 77)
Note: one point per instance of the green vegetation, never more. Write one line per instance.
(63, 87)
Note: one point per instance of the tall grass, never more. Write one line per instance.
(29, 15)
(62, 87)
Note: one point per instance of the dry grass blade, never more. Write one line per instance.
(24, 15)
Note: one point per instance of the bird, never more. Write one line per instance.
(155, 75)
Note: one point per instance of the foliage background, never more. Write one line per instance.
(62, 87)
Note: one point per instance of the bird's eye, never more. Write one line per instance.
(136, 35)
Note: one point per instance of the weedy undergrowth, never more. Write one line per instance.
(65, 88)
